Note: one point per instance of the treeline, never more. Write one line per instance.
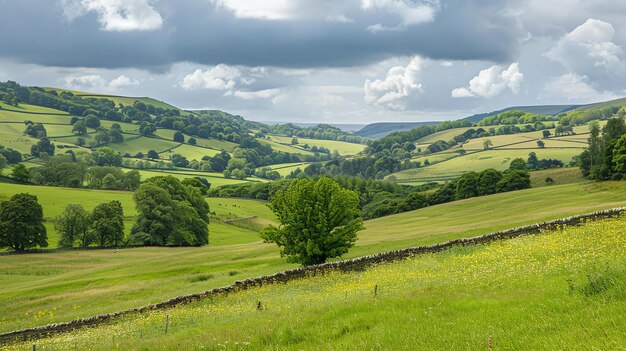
(99, 169)
(605, 158)
(170, 213)
(411, 136)
(320, 131)
(514, 117)
(580, 117)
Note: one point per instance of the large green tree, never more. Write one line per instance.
(107, 223)
(170, 213)
(73, 227)
(21, 223)
(319, 220)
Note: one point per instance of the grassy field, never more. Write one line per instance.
(477, 161)
(344, 148)
(65, 285)
(31, 109)
(286, 168)
(216, 179)
(558, 290)
(211, 143)
(19, 117)
(560, 176)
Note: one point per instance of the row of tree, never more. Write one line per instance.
(170, 212)
(605, 158)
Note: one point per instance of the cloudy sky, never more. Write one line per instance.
(339, 61)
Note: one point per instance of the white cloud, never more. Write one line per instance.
(277, 10)
(250, 95)
(122, 81)
(89, 81)
(95, 82)
(410, 12)
(492, 82)
(222, 77)
(588, 48)
(574, 87)
(400, 83)
(116, 15)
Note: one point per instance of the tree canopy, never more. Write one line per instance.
(21, 223)
(319, 220)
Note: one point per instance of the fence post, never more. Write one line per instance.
(34, 347)
(376, 290)
(167, 322)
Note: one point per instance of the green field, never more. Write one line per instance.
(31, 109)
(216, 179)
(477, 161)
(284, 169)
(559, 290)
(284, 148)
(52, 285)
(560, 176)
(344, 148)
(19, 117)
(210, 143)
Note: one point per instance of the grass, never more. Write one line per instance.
(344, 148)
(560, 290)
(216, 179)
(494, 158)
(143, 144)
(566, 175)
(210, 143)
(284, 169)
(104, 280)
(18, 117)
(31, 109)
(276, 146)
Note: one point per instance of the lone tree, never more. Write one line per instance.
(319, 220)
(107, 223)
(487, 144)
(21, 223)
(73, 227)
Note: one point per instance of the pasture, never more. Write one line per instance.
(344, 148)
(61, 286)
(477, 161)
(564, 289)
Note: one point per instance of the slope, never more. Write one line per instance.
(61, 286)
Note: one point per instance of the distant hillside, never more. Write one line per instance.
(379, 130)
(616, 102)
(346, 127)
(546, 110)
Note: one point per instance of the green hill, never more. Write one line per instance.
(563, 288)
(65, 285)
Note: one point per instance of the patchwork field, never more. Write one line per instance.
(565, 288)
(477, 161)
(342, 147)
(65, 285)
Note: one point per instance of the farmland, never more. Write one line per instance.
(100, 281)
(507, 294)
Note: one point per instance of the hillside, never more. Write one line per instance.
(186, 144)
(379, 130)
(72, 284)
(547, 110)
(531, 292)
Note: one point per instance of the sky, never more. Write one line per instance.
(331, 61)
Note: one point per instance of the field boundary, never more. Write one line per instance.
(355, 264)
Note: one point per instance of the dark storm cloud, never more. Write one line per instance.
(36, 31)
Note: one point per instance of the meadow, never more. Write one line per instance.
(557, 290)
(342, 147)
(65, 285)
(477, 161)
